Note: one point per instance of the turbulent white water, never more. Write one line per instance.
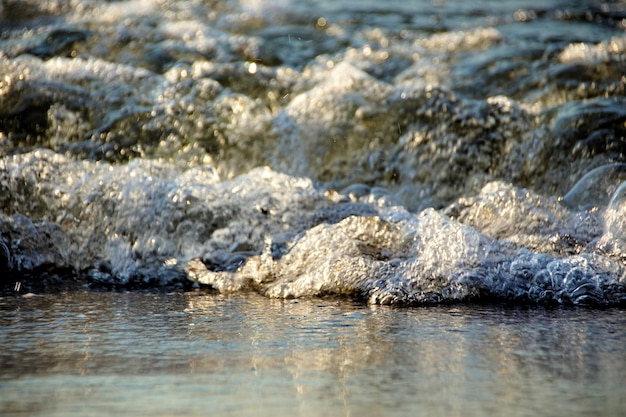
(420, 152)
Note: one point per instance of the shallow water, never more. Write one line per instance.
(91, 353)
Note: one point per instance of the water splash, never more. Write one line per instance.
(298, 149)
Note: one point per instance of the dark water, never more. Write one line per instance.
(137, 354)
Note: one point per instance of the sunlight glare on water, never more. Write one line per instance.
(137, 354)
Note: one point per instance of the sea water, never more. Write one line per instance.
(420, 152)
(192, 354)
(319, 208)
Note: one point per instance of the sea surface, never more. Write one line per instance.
(332, 207)
(194, 354)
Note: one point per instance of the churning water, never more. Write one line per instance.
(327, 157)
(416, 152)
(410, 153)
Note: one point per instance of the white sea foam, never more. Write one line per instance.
(300, 149)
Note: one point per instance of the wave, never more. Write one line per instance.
(302, 150)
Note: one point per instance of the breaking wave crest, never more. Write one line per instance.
(302, 150)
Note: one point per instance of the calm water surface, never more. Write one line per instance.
(189, 354)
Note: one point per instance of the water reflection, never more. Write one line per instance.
(240, 355)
